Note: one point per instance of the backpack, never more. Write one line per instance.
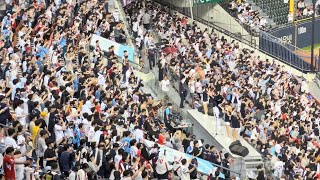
(51, 175)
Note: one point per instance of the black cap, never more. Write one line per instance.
(117, 175)
(115, 145)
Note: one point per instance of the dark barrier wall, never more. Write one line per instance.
(284, 52)
(302, 33)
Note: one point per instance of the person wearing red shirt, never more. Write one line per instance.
(162, 138)
(8, 163)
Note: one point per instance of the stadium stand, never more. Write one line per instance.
(275, 9)
(70, 110)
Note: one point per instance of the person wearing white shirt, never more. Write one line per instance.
(81, 174)
(58, 130)
(278, 168)
(9, 141)
(86, 108)
(91, 132)
(101, 79)
(135, 26)
(21, 114)
(183, 171)
(46, 80)
(116, 15)
(30, 173)
(118, 158)
(21, 141)
(277, 148)
(165, 83)
(19, 167)
(216, 112)
(162, 166)
(133, 149)
(97, 134)
(138, 134)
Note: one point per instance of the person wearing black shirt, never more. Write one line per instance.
(108, 167)
(52, 120)
(114, 150)
(81, 56)
(316, 130)
(260, 173)
(151, 57)
(226, 164)
(218, 98)
(206, 153)
(4, 111)
(193, 165)
(205, 100)
(186, 142)
(183, 96)
(49, 154)
(196, 150)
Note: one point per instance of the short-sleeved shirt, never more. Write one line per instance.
(184, 172)
(49, 153)
(8, 167)
(161, 139)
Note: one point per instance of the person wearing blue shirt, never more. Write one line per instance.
(63, 44)
(126, 141)
(76, 86)
(78, 134)
(39, 63)
(6, 22)
(97, 94)
(6, 33)
(42, 51)
(209, 52)
(167, 114)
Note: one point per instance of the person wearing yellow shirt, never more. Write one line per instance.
(35, 130)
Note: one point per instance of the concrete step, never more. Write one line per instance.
(255, 170)
(253, 162)
(252, 158)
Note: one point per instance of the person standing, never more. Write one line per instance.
(205, 101)
(41, 146)
(135, 26)
(216, 113)
(226, 163)
(151, 57)
(5, 115)
(146, 20)
(235, 124)
(66, 160)
(162, 66)
(162, 167)
(183, 171)
(49, 156)
(183, 96)
(9, 162)
(167, 114)
(165, 83)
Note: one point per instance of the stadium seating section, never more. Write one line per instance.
(275, 9)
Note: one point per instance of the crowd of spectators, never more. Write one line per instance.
(303, 10)
(257, 99)
(249, 18)
(68, 111)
